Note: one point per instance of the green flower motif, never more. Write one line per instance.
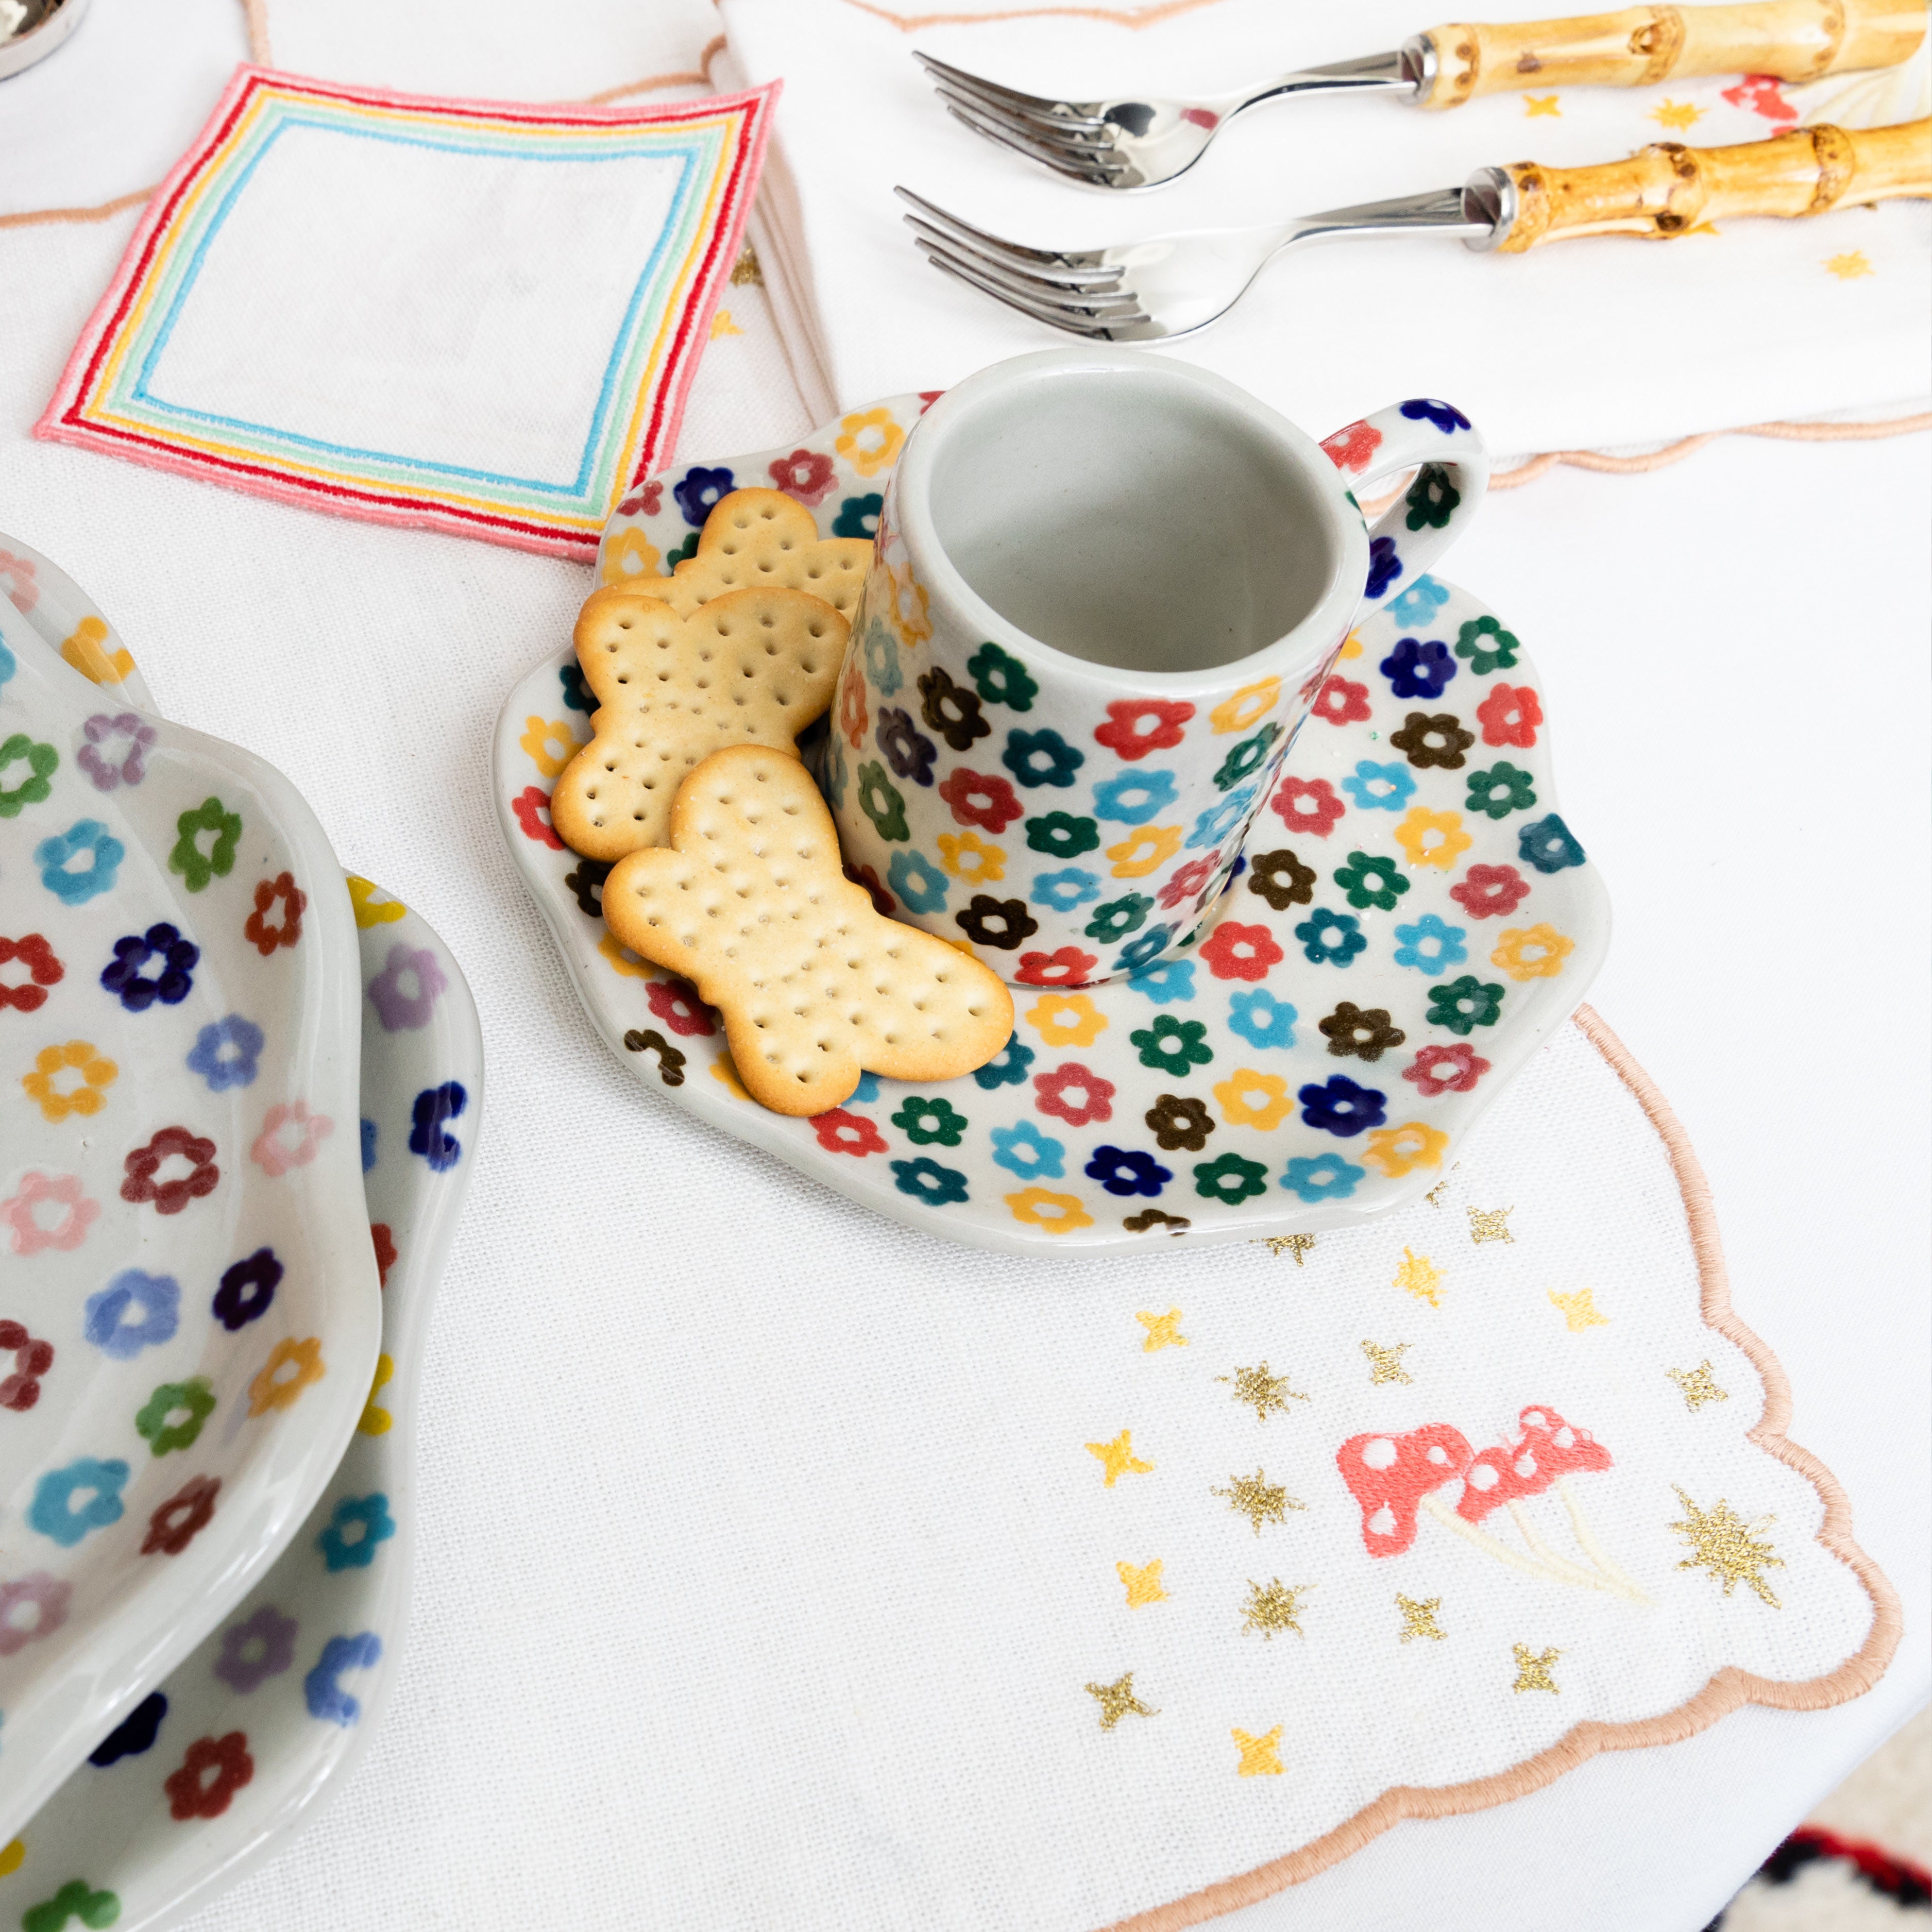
(1501, 790)
(41, 759)
(76, 1899)
(1463, 1005)
(879, 799)
(1173, 1046)
(688, 548)
(193, 1396)
(196, 867)
(1371, 881)
(1119, 917)
(1432, 498)
(1061, 833)
(924, 1121)
(1230, 1178)
(1485, 658)
(1246, 756)
(1001, 679)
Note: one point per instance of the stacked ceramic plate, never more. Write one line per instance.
(238, 1095)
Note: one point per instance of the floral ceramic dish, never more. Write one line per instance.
(187, 1289)
(1410, 918)
(212, 1771)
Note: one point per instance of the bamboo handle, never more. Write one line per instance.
(1667, 189)
(1794, 40)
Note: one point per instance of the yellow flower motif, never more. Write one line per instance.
(1066, 1019)
(1534, 104)
(1252, 703)
(630, 553)
(908, 607)
(1432, 838)
(1057, 1213)
(86, 651)
(870, 442)
(1396, 1151)
(12, 1857)
(291, 1366)
(726, 1074)
(376, 1420)
(621, 959)
(1146, 849)
(85, 1096)
(1679, 116)
(360, 891)
(1848, 268)
(1351, 645)
(1251, 1099)
(1533, 953)
(539, 734)
(968, 858)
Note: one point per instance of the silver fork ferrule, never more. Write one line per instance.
(1420, 63)
(1489, 195)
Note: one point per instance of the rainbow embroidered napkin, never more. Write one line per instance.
(464, 316)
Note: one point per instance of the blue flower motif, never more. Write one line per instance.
(1548, 845)
(882, 659)
(1338, 1106)
(1430, 945)
(1380, 787)
(121, 976)
(1026, 1151)
(1261, 1019)
(1118, 917)
(1007, 1068)
(1064, 890)
(858, 516)
(368, 1144)
(247, 1287)
(1172, 980)
(1219, 820)
(134, 1311)
(1122, 1172)
(53, 1512)
(359, 1523)
(225, 1053)
(1151, 945)
(1416, 669)
(1385, 566)
(1041, 757)
(1446, 416)
(867, 1090)
(918, 881)
(55, 857)
(925, 1180)
(134, 1734)
(577, 695)
(1418, 605)
(697, 492)
(323, 1694)
(1331, 938)
(1134, 797)
(8, 663)
(434, 1106)
(1325, 1177)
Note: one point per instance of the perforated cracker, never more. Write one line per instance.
(749, 904)
(750, 667)
(762, 537)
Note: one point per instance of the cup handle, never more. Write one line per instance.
(1452, 469)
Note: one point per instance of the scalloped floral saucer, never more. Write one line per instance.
(1410, 918)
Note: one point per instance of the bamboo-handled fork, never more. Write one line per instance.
(1134, 143)
(1172, 285)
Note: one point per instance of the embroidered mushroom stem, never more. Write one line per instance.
(1586, 1541)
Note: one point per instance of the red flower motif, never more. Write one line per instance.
(927, 397)
(1068, 967)
(1136, 726)
(1350, 449)
(1238, 951)
(645, 500)
(532, 806)
(1188, 879)
(31, 1361)
(1758, 93)
(260, 933)
(987, 802)
(182, 1517)
(676, 1002)
(840, 1133)
(805, 474)
(386, 1251)
(170, 1197)
(1446, 1069)
(1340, 702)
(1096, 1096)
(192, 1793)
(44, 970)
(1491, 891)
(884, 904)
(1307, 804)
(1510, 715)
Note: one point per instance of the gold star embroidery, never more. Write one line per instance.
(1532, 1673)
(1848, 267)
(1116, 1699)
(1534, 104)
(1258, 1754)
(1489, 1224)
(1385, 1364)
(745, 269)
(1258, 1499)
(1265, 1392)
(1434, 1196)
(1677, 116)
(1579, 1310)
(1419, 1619)
(1721, 1542)
(1274, 1608)
(1144, 1585)
(1163, 1331)
(1297, 1245)
(1421, 1277)
(1697, 1387)
(1118, 1457)
(721, 324)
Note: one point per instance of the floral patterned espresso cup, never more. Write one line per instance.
(1107, 590)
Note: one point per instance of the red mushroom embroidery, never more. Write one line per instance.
(1390, 1476)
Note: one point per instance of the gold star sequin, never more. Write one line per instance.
(1489, 1224)
(1421, 1277)
(1274, 1608)
(745, 269)
(1697, 1386)
(1297, 1245)
(1163, 1331)
(1258, 1499)
(1532, 1672)
(1116, 1699)
(1678, 115)
(1722, 1543)
(1419, 1619)
(1534, 104)
(1579, 1310)
(1264, 1392)
(1258, 1754)
(1385, 1364)
(1118, 1457)
(1144, 1585)
(1434, 1196)
(1849, 266)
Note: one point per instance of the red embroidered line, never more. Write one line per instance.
(1893, 1878)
